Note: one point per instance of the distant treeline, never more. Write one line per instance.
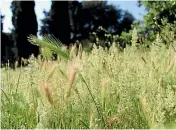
(72, 21)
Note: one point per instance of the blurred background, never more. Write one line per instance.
(80, 21)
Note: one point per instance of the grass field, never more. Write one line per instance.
(104, 89)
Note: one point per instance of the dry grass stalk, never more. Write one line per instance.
(144, 60)
(79, 96)
(103, 91)
(73, 51)
(80, 51)
(52, 72)
(39, 60)
(71, 78)
(92, 120)
(16, 64)
(5, 94)
(43, 65)
(145, 109)
(45, 89)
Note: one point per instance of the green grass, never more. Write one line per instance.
(129, 89)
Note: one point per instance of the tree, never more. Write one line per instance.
(25, 23)
(2, 35)
(126, 22)
(7, 45)
(158, 12)
(74, 12)
(59, 24)
(84, 18)
(110, 19)
(2, 18)
(93, 14)
(45, 24)
(97, 13)
(73, 8)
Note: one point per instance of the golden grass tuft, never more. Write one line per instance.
(72, 70)
(145, 109)
(111, 121)
(45, 89)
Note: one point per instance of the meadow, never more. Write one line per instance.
(108, 89)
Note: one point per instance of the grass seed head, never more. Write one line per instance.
(45, 89)
(92, 121)
(72, 70)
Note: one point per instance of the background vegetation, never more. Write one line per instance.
(72, 21)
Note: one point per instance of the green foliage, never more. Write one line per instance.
(125, 38)
(159, 13)
(159, 10)
(168, 33)
(109, 39)
(84, 18)
(49, 44)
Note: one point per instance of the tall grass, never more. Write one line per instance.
(103, 89)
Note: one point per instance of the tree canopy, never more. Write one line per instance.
(80, 19)
(25, 23)
(159, 13)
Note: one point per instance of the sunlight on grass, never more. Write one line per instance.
(104, 89)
